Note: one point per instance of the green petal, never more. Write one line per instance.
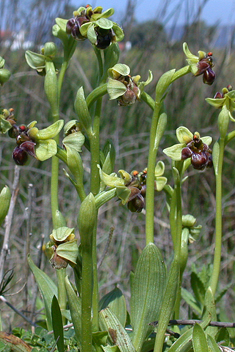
(217, 103)
(111, 180)
(207, 140)
(51, 131)
(115, 88)
(160, 183)
(5, 125)
(75, 141)
(104, 23)
(46, 149)
(123, 193)
(107, 13)
(159, 169)
(184, 135)
(174, 152)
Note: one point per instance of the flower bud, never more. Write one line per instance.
(4, 75)
(5, 198)
(50, 49)
(87, 219)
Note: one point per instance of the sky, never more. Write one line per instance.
(215, 11)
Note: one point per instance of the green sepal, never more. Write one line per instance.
(188, 220)
(117, 334)
(119, 69)
(47, 288)
(91, 34)
(82, 110)
(116, 303)
(174, 152)
(199, 339)
(123, 193)
(163, 84)
(5, 125)
(207, 140)
(62, 234)
(111, 180)
(5, 199)
(45, 149)
(50, 131)
(183, 135)
(159, 169)
(4, 75)
(217, 103)
(75, 307)
(74, 141)
(147, 293)
(62, 23)
(57, 324)
(119, 34)
(68, 251)
(115, 88)
(107, 13)
(85, 27)
(160, 182)
(34, 60)
(104, 23)
(215, 155)
(142, 84)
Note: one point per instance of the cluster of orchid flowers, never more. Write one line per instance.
(126, 89)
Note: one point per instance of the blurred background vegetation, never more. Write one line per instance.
(154, 46)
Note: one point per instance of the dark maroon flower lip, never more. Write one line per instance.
(199, 152)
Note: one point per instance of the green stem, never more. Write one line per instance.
(148, 100)
(218, 220)
(180, 73)
(150, 179)
(96, 94)
(86, 299)
(62, 298)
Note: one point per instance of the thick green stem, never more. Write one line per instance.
(148, 100)
(96, 94)
(218, 221)
(62, 298)
(86, 299)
